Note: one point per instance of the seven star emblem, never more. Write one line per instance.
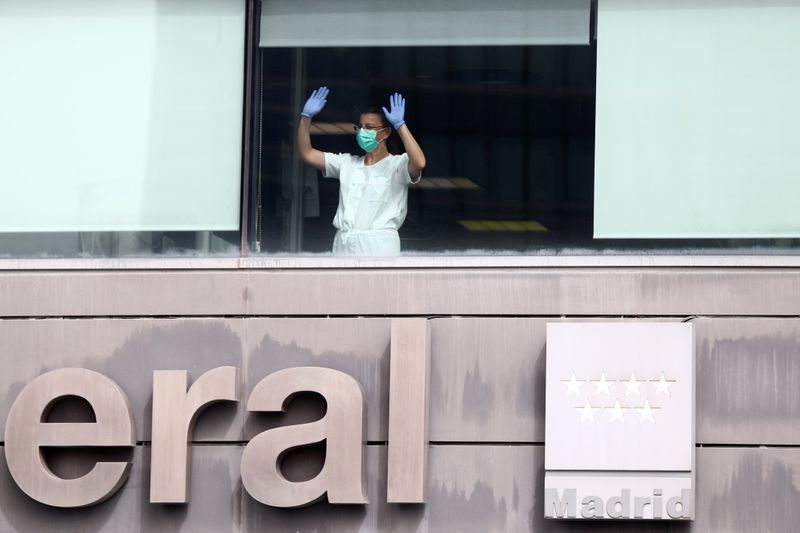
(587, 411)
(603, 386)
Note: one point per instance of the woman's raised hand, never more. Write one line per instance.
(315, 102)
(397, 104)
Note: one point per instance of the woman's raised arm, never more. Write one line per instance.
(395, 115)
(305, 152)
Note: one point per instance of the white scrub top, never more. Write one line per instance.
(371, 197)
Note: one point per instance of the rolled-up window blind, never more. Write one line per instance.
(698, 119)
(352, 23)
(120, 116)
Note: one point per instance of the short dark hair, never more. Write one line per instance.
(391, 141)
(376, 110)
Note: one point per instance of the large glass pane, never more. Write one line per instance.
(507, 133)
(697, 122)
(121, 130)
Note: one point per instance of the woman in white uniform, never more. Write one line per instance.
(373, 188)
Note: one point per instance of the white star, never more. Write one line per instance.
(602, 385)
(616, 412)
(632, 386)
(573, 385)
(662, 384)
(587, 411)
(646, 412)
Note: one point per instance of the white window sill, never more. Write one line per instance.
(403, 262)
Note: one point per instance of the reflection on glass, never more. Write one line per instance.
(103, 244)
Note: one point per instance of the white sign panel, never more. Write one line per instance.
(619, 429)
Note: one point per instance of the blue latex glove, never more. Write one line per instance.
(398, 105)
(315, 102)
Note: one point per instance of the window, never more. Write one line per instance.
(697, 124)
(504, 113)
(121, 128)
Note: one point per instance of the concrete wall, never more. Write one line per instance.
(487, 384)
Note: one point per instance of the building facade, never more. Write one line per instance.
(227, 264)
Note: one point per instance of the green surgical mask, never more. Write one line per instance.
(366, 139)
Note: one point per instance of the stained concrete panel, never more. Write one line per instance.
(404, 291)
(357, 346)
(487, 379)
(122, 293)
(127, 351)
(748, 380)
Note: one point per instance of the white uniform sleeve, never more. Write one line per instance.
(402, 171)
(333, 164)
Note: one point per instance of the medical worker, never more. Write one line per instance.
(373, 188)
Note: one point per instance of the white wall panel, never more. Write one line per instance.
(697, 119)
(120, 116)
